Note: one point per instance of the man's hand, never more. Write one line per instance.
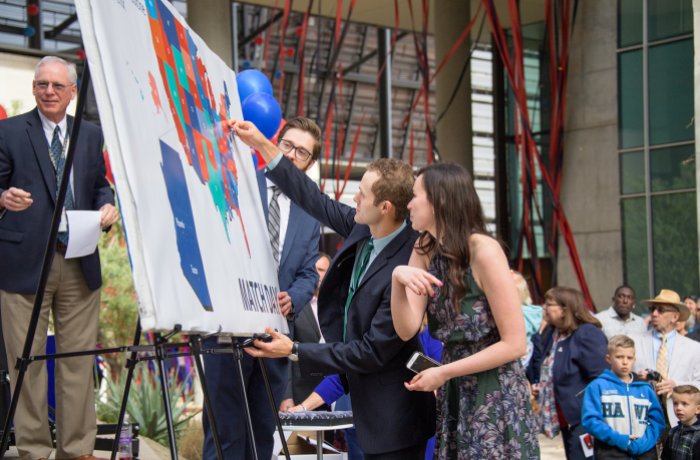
(665, 387)
(15, 199)
(279, 347)
(252, 137)
(286, 405)
(108, 215)
(285, 303)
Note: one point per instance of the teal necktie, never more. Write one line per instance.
(359, 269)
(59, 163)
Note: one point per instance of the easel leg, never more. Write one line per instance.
(164, 386)
(196, 347)
(273, 407)
(238, 356)
(130, 365)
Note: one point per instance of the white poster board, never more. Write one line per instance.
(188, 193)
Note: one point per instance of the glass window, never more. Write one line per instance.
(669, 18)
(671, 92)
(634, 245)
(675, 232)
(632, 173)
(631, 106)
(673, 168)
(629, 25)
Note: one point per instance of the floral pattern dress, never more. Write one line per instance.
(486, 415)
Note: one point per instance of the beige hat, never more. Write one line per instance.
(669, 297)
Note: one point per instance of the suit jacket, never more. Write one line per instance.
(306, 330)
(25, 162)
(683, 363)
(387, 416)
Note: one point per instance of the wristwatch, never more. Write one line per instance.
(294, 355)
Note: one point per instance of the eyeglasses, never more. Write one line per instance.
(43, 86)
(300, 152)
(550, 305)
(662, 308)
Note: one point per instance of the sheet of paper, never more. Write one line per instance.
(84, 232)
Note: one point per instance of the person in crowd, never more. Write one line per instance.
(683, 441)
(354, 307)
(622, 412)
(569, 354)
(662, 349)
(532, 313)
(460, 276)
(33, 150)
(619, 319)
(294, 237)
(691, 301)
(306, 330)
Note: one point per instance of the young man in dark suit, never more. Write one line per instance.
(354, 302)
(294, 237)
(32, 152)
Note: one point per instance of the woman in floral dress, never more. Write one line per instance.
(461, 276)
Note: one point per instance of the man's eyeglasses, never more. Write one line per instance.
(44, 86)
(662, 308)
(300, 152)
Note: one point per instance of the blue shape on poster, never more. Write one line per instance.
(185, 231)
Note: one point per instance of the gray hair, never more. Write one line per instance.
(70, 67)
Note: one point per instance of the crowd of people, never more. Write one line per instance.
(417, 272)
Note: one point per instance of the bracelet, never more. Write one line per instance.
(302, 406)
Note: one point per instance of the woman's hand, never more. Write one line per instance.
(428, 380)
(419, 281)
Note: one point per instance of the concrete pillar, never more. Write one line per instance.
(454, 131)
(211, 20)
(590, 193)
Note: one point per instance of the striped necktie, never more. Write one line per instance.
(273, 224)
(59, 163)
(662, 358)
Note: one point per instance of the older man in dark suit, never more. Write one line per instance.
(32, 154)
(354, 303)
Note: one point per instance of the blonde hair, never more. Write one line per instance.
(522, 287)
(619, 341)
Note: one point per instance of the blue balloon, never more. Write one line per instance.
(252, 81)
(264, 112)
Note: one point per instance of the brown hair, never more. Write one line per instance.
(619, 341)
(395, 185)
(688, 390)
(458, 214)
(574, 306)
(308, 126)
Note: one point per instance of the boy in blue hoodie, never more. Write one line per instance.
(621, 413)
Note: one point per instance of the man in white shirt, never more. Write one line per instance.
(619, 319)
(662, 349)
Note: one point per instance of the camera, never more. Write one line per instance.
(653, 376)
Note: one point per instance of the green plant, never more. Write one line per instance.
(145, 405)
(118, 306)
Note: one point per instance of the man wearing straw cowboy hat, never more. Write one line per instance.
(662, 349)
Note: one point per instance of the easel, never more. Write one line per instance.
(158, 349)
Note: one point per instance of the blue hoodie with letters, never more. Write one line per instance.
(614, 411)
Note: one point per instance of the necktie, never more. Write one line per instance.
(273, 224)
(359, 269)
(662, 358)
(59, 163)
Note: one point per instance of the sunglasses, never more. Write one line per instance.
(662, 308)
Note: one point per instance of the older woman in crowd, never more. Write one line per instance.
(569, 353)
